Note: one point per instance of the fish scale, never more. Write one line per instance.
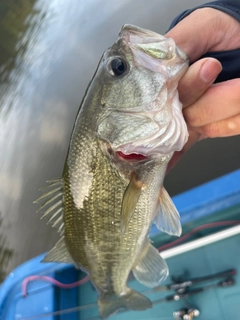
(98, 226)
(128, 126)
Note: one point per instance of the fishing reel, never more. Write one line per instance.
(186, 314)
(182, 291)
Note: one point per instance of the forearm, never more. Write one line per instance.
(231, 7)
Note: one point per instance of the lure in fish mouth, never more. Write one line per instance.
(111, 190)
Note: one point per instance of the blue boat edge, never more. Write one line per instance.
(199, 202)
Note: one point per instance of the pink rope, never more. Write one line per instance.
(164, 247)
(199, 228)
(53, 281)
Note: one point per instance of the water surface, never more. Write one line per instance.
(49, 52)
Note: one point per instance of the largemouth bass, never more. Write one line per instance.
(129, 125)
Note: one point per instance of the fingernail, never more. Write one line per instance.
(210, 70)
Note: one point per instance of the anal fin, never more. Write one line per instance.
(151, 269)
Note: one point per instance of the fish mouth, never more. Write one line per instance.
(148, 43)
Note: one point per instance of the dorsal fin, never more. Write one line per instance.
(52, 205)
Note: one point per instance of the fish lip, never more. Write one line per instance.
(140, 40)
(129, 30)
(138, 34)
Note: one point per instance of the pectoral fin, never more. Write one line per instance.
(129, 202)
(152, 269)
(167, 218)
(59, 253)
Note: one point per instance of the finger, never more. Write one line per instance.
(205, 30)
(195, 40)
(225, 128)
(197, 80)
(220, 101)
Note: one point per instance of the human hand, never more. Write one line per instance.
(210, 110)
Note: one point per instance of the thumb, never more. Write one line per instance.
(205, 30)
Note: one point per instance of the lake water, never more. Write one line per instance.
(49, 52)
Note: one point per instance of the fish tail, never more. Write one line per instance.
(133, 300)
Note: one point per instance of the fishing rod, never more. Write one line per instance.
(174, 297)
(179, 296)
(182, 286)
(191, 312)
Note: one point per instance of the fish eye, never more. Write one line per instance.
(117, 66)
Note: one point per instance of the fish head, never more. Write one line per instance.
(140, 110)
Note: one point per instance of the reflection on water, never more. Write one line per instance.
(14, 25)
(49, 51)
(21, 24)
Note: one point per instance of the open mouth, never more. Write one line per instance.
(131, 156)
